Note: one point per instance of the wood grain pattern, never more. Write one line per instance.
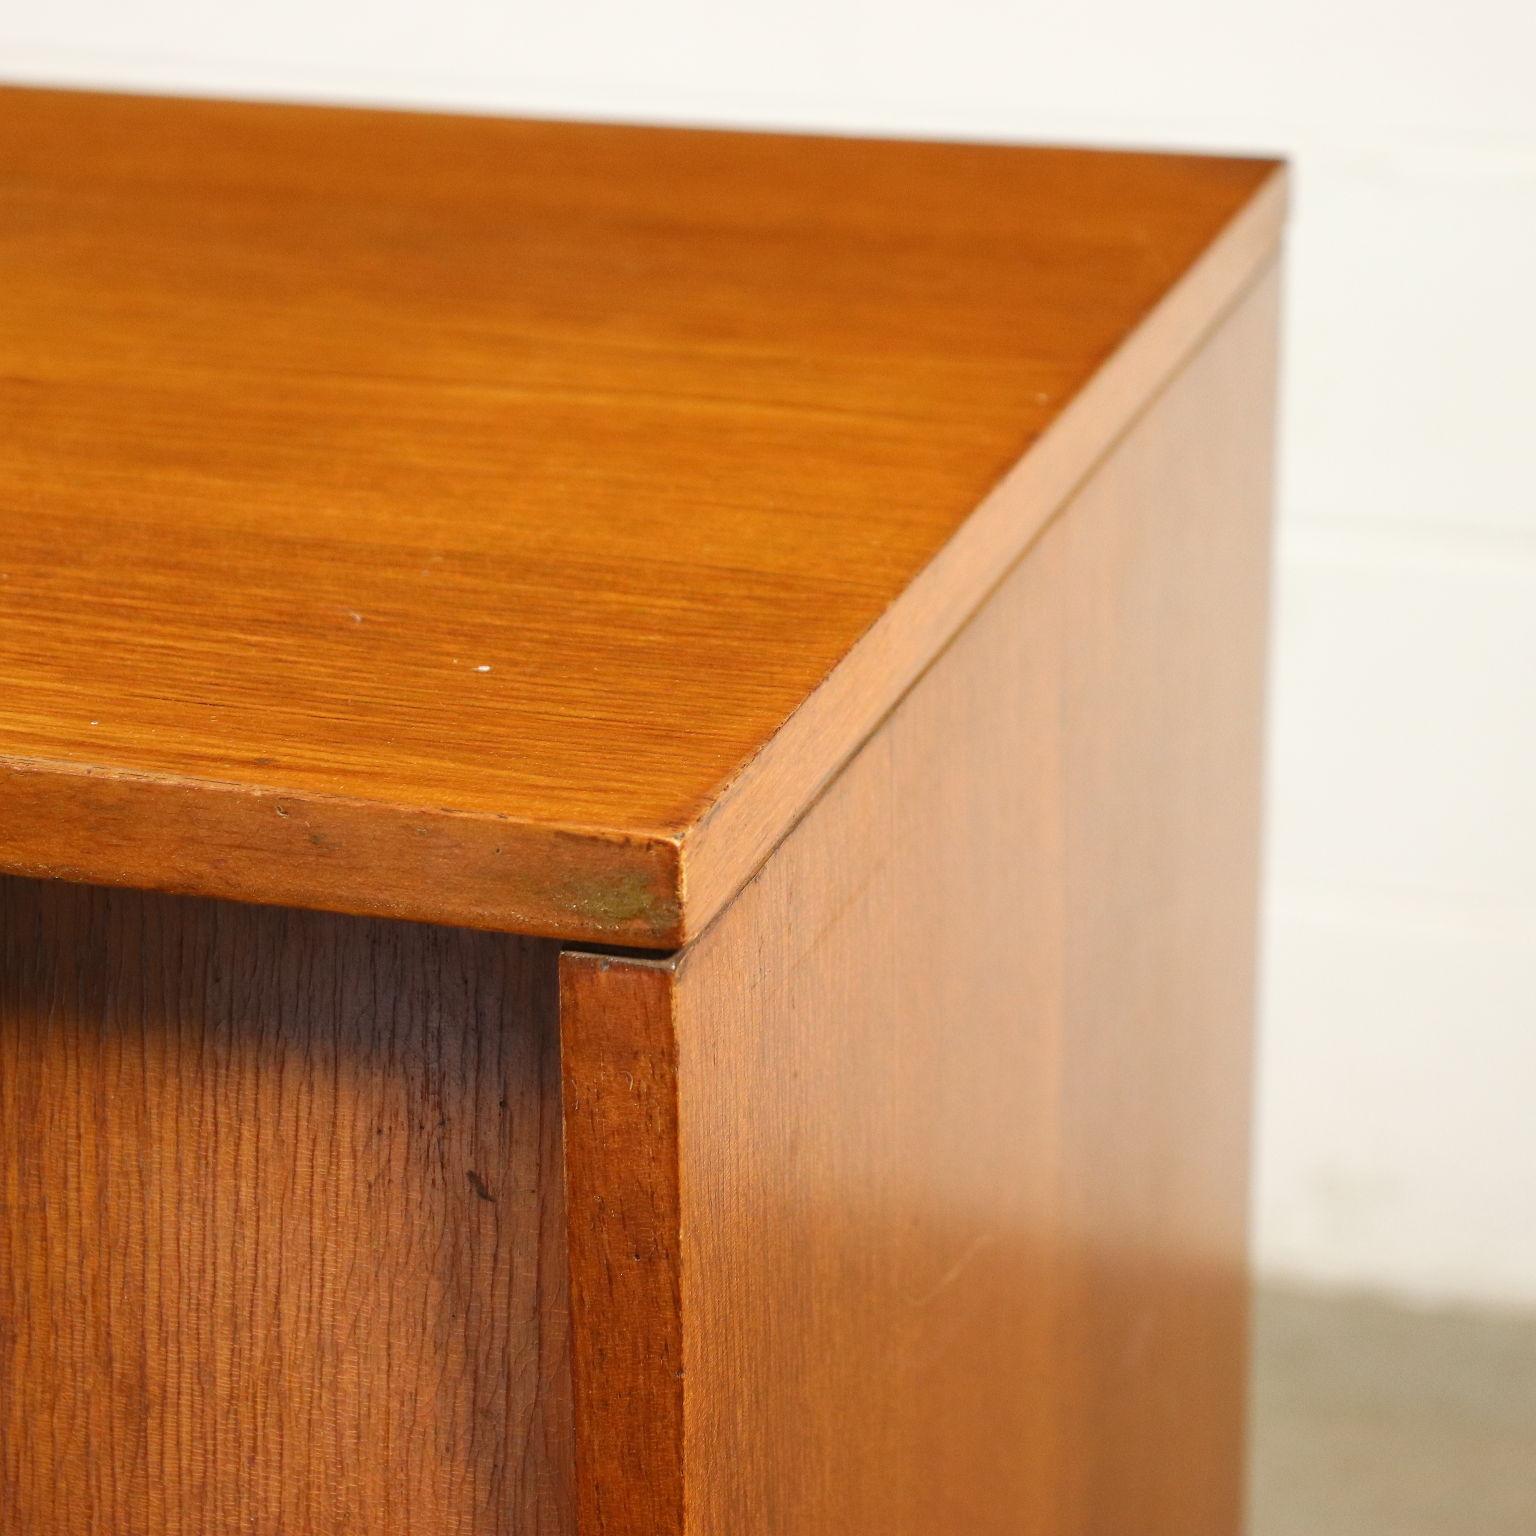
(963, 1075)
(281, 1231)
(619, 1072)
(518, 524)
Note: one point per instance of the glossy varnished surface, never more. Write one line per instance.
(282, 1245)
(443, 517)
(935, 1145)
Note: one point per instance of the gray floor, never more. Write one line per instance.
(1374, 1420)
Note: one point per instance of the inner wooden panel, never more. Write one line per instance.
(281, 1224)
(960, 1083)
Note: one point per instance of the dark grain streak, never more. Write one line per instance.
(254, 1280)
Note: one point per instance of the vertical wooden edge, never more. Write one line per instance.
(618, 1067)
(1270, 297)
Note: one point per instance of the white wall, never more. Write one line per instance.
(1398, 1085)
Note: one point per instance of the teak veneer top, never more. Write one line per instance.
(517, 524)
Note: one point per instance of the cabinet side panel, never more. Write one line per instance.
(281, 1224)
(963, 1075)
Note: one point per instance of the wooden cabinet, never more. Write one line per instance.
(629, 772)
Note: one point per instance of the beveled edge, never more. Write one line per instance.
(68, 821)
(755, 810)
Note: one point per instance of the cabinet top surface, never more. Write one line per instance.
(445, 516)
